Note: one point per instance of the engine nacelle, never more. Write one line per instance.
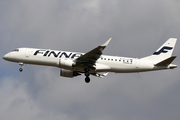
(68, 73)
(66, 63)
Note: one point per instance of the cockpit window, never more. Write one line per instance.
(16, 50)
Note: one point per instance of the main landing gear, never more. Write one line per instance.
(21, 69)
(87, 79)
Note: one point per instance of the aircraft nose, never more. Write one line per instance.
(5, 57)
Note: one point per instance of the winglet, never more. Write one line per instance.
(106, 43)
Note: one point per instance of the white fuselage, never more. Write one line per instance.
(73, 64)
(104, 64)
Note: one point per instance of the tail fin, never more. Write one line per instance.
(164, 52)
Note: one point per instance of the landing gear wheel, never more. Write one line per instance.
(21, 64)
(87, 79)
(20, 69)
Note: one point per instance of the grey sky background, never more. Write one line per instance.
(137, 28)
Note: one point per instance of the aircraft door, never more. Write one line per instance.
(27, 54)
(137, 63)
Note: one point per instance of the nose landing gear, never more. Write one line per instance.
(21, 69)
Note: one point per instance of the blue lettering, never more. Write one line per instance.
(55, 55)
(39, 51)
(73, 55)
(65, 54)
(46, 53)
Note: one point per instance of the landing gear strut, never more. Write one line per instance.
(21, 69)
(87, 79)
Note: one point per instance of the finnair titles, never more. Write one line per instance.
(73, 64)
(58, 54)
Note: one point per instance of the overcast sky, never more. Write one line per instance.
(137, 28)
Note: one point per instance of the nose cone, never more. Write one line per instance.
(6, 56)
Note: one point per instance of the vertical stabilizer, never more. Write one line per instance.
(164, 52)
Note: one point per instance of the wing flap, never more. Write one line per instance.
(100, 75)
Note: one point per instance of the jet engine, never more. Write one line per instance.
(66, 63)
(68, 73)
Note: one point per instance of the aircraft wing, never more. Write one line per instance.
(89, 59)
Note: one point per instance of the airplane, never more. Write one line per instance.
(73, 64)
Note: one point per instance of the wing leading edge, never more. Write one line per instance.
(89, 59)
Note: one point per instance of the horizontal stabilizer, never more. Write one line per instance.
(166, 62)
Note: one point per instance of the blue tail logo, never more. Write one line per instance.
(163, 50)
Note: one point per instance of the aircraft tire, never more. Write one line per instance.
(20, 69)
(87, 79)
